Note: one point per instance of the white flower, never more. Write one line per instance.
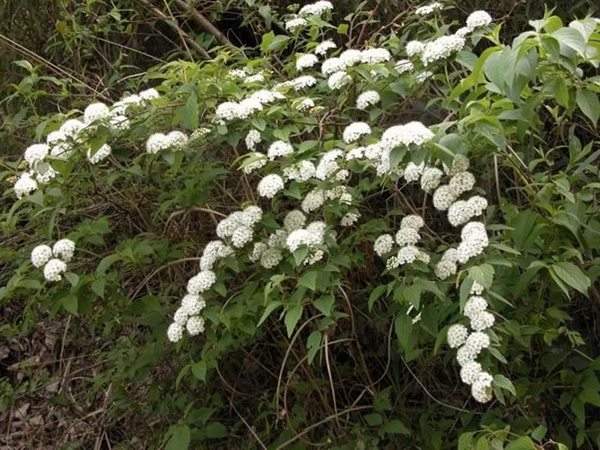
(482, 387)
(375, 56)
(383, 244)
(413, 171)
(408, 254)
(36, 153)
(463, 32)
(459, 213)
(351, 57)
(256, 161)
(428, 9)
(295, 23)
(303, 82)
(44, 172)
(431, 178)
(301, 171)
(443, 197)
(294, 220)
(175, 332)
(181, 316)
(474, 240)
(201, 282)
(252, 215)
(100, 154)
(414, 48)
(474, 305)
(239, 74)
(328, 165)
(270, 185)
(482, 321)
(279, 148)
(411, 133)
(64, 249)
(478, 19)
(457, 335)
(25, 185)
(316, 9)
(403, 66)
(156, 142)
(338, 80)
(332, 65)
(465, 355)
(195, 325)
(227, 111)
(313, 200)
(423, 76)
(54, 269)
(366, 99)
(256, 78)
(95, 111)
(241, 236)
(349, 219)
(407, 236)
(177, 139)
(355, 131)
(149, 94)
(477, 204)
(324, 47)
(441, 48)
(445, 268)
(355, 153)
(413, 221)
(257, 250)
(271, 258)
(193, 304)
(478, 341)
(40, 255)
(469, 372)
(119, 123)
(252, 139)
(476, 288)
(306, 61)
(305, 104)
(462, 182)
(71, 128)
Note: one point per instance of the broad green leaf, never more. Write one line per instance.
(522, 443)
(572, 275)
(292, 316)
(309, 280)
(502, 382)
(180, 438)
(396, 426)
(589, 104)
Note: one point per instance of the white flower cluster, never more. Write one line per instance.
(238, 227)
(278, 149)
(471, 344)
(447, 194)
(316, 9)
(270, 185)
(253, 138)
(157, 142)
(407, 237)
(404, 66)
(366, 99)
(294, 24)
(429, 9)
(187, 317)
(228, 111)
(355, 131)
(338, 80)
(323, 47)
(306, 61)
(53, 260)
(71, 135)
(441, 48)
(312, 238)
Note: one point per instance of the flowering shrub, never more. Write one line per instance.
(344, 202)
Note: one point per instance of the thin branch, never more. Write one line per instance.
(201, 20)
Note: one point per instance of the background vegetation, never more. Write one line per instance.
(88, 365)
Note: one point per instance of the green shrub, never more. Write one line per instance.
(330, 226)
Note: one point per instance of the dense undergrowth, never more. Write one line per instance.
(367, 227)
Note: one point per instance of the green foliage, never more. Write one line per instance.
(343, 353)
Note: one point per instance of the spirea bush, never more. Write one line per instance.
(426, 200)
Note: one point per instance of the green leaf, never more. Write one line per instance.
(403, 326)
(70, 303)
(396, 426)
(309, 280)
(465, 441)
(374, 419)
(180, 438)
(504, 383)
(589, 104)
(199, 370)
(570, 38)
(483, 274)
(522, 443)
(325, 304)
(376, 294)
(292, 317)
(572, 275)
(268, 310)
(215, 430)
